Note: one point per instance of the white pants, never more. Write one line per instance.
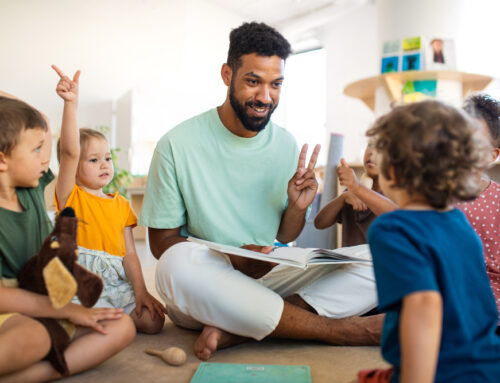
(201, 287)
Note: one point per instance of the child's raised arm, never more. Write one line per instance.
(327, 216)
(420, 334)
(376, 202)
(69, 151)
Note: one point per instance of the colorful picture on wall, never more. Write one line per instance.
(412, 62)
(391, 47)
(420, 90)
(412, 43)
(390, 64)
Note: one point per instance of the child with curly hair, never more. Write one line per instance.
(483, 213)
(441, 315)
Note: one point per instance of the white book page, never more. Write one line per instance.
(249, 253)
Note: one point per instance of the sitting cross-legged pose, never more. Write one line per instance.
(230, 176)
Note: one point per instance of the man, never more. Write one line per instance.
(230, 175)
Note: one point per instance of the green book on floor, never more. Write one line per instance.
(250, 373)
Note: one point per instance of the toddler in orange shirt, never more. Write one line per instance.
(105, 241)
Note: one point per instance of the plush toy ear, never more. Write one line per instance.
(60, 284)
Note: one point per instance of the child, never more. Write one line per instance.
(484, 212)
(24, 155)
(105, 240)
(440, 312)
(358, 206)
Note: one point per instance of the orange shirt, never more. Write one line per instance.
(102, 220)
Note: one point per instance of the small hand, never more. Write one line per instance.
(354, 201)
(253, 268)
(347, 177)
(145, 299)
(67, 88)
(303, 186)
(90, 317)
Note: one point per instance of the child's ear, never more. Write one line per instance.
(495, 153)
(3, 162)
(392, 176)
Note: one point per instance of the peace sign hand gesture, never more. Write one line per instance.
(303, 186)
(67, 88)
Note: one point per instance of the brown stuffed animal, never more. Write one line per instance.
(54, 271)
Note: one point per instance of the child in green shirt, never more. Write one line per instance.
(25, 144)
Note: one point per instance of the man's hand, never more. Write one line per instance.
(66, 88)
(303, 186)
(347, 177)
(253, 268)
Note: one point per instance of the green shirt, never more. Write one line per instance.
(22, 233)
(221, 187)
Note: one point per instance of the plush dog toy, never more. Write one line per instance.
(54, 271)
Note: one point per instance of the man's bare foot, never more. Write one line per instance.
(212, 339)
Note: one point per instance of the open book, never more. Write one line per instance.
(297, 256)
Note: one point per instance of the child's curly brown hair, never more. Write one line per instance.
(434, 149)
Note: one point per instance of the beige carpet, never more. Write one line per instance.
(327, 363)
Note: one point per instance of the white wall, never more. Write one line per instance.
(352, 54)
(353, 44)
(169, 50)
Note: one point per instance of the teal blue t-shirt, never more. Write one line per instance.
(429, 250)
(221, 187)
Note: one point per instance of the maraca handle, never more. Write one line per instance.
(152, 351)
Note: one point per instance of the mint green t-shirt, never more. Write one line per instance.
(22, 233)
(219, 186)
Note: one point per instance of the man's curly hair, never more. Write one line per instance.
(484, 107)
(436, 151)
(256, 38)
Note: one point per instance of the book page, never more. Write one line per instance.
(359, 253)
(294, 260)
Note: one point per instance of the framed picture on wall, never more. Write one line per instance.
(440, 54)
(390, 64)
(412, 61)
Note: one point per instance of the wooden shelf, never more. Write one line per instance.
(393, 83)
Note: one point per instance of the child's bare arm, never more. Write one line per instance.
(36, 305)
(376, 202)
(69, 153)
(327, 216)
(133, 270)
(420, 333)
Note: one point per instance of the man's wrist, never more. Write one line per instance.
(296, 211)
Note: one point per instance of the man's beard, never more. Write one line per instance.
(254, 124)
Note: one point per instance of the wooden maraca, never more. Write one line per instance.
(172, 355)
